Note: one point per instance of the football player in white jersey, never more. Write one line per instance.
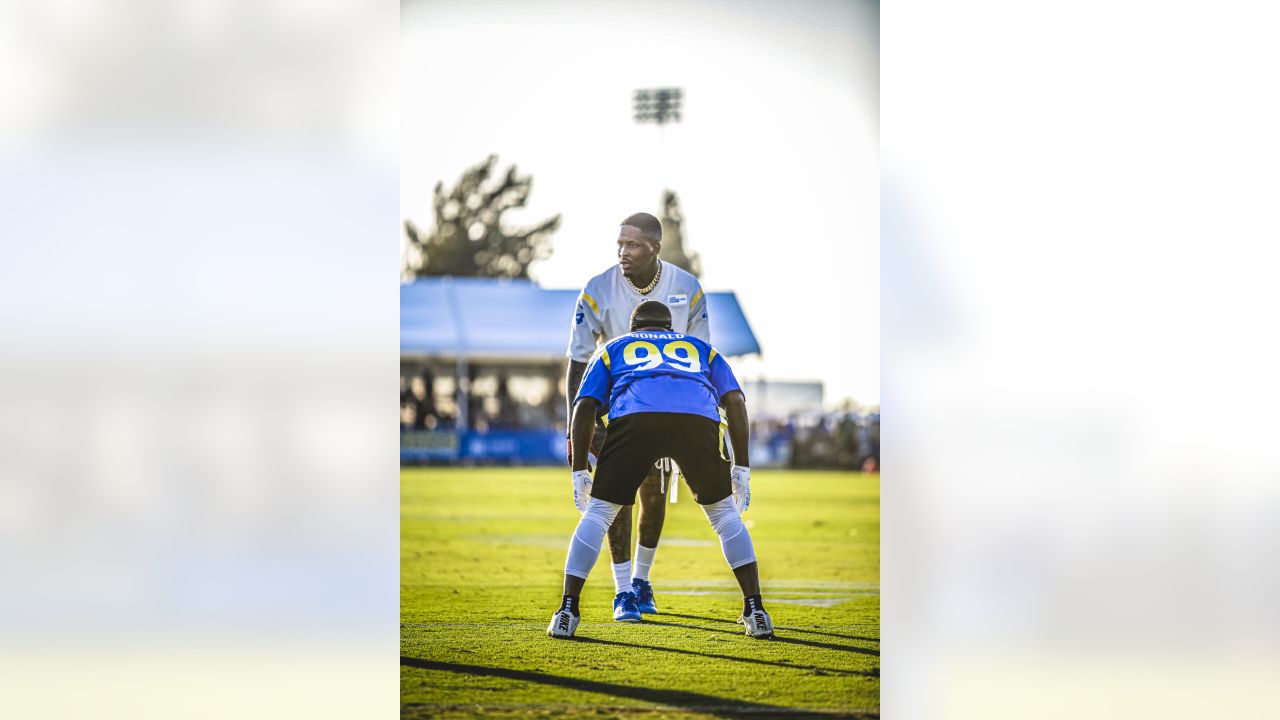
(603, 313)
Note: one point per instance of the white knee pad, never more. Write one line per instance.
(584, 548)
(735, 541)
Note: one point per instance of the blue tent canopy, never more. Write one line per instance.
(516, 319)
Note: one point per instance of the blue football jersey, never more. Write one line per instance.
(658, 371)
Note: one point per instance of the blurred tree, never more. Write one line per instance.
(469, 237)
(673, 250)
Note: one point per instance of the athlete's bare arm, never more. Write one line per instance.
(735, 410)
(581, 427)
(573, 381)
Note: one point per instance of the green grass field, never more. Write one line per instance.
(482, 557)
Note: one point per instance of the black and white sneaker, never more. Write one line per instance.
(564, 623)
(757, 623)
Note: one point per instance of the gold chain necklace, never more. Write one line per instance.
(649, 288)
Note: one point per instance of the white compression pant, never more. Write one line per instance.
(735, 541)
(584, 548)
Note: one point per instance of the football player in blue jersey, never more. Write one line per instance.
(660, 391)
(603, 313)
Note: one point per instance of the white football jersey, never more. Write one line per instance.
(605, 305)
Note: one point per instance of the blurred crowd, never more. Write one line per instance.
(497, 399)
(846, 440)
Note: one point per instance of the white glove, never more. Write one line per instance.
(581, 489)
(741, 477)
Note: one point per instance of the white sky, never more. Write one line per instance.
(776, 161)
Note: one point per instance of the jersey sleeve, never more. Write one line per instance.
(585, 327)
(722, 376)
(699, 325)
(598, 381)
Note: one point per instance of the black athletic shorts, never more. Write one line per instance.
(635, 442)
(602, 434)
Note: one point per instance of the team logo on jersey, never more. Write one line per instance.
(677, 299)
(579, 316)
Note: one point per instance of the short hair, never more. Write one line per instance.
(651, 313)
(648, 225)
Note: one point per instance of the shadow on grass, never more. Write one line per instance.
(777, 638)
(695, 702)
(825, 646)
(834, 635)
(714, 656)
(789, 629)
(697, 617)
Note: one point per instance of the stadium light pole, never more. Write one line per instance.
(659, 106)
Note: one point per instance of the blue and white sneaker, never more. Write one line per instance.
(624, 608)
(644, 596)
